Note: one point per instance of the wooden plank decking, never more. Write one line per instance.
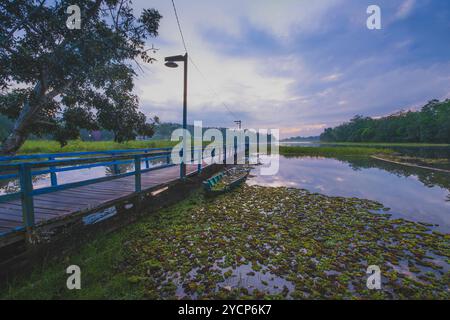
(66, 202)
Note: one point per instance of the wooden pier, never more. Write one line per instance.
(59, 204)
(22, 212)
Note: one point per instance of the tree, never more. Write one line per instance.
(59, 80)
(430, 124)
(5, 127)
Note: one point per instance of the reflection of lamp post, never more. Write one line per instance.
(171, 62)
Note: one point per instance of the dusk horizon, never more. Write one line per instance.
(237, 159)
(316, 67)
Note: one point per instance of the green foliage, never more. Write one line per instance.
(48, 146)
(57, 80)
(429, 125)
(163, 131)
(299, 245)
(5, 127)
(300, 138)
(332, 151)
(384, 144)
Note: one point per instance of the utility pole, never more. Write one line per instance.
(171, 63)
(239, 123)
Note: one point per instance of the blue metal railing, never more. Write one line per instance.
(77, 154)
(24, 167)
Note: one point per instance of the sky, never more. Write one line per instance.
(299, 66)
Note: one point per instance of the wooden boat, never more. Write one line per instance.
(226, 180)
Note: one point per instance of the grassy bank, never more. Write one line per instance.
(49, 146)
(386, 144)
(256, 242)
(331, 151)
(435, 164)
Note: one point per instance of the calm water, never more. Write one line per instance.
(414, 151)
(413, 194)
(41, 181)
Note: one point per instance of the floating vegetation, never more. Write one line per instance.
(430, 163)
(283, 243)
(332, 151)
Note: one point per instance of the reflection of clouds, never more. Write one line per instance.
(320, 187)
(408, 197)
(279, 82)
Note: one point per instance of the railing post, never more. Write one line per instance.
(53, 178)
(247, 152)
(147, 163)
(200, 160)
(182, 165)
(26, 188)
(137, 173)
(115, 166)
(224, 152)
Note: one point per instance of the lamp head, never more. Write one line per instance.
(171, 64)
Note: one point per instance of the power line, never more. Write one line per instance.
(212, 89)
(195, 65)
(179, 26)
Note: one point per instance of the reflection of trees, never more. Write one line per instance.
(13, 185)
(427, 177)
(9, 186)
(122, 168)
(424, 152)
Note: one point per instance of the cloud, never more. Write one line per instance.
(304, 130)
(297, 65)
(332, 77)
(405, 9)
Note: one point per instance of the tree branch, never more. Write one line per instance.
(24, 20)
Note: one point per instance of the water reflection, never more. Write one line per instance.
(414, 194)
(41, 181)
(432, 152)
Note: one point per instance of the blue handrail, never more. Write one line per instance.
(76, 154)
(25, 170)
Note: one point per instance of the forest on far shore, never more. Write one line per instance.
(429, 125)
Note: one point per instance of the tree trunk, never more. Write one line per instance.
(26, 117)
(19, 132)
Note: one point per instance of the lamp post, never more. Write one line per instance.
(171, 62)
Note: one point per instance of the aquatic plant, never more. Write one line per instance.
(259, 242)
(332, 151)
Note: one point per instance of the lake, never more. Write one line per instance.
(413, 194)
(42, 181)
(432, 152)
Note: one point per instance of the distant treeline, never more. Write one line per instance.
(300, 139)
(163, 131)
(5, 127)
(431, 124)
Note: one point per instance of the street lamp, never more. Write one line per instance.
(171, 62)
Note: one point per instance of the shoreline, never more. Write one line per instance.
(410, 164)
(256, 242)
